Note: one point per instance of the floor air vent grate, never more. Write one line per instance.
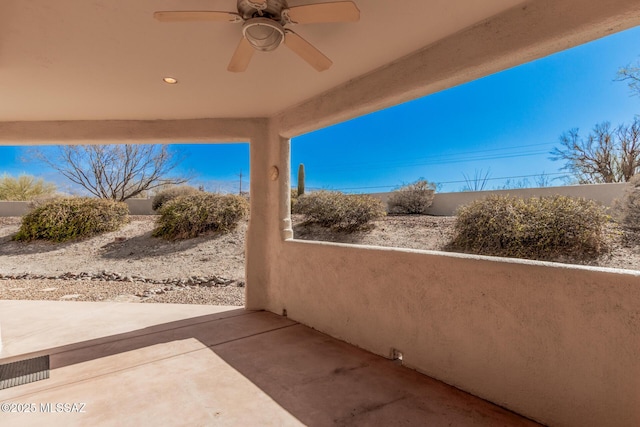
(24, 372)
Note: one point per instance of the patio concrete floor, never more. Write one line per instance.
(159, 364)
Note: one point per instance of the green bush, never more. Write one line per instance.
(171, 193)
(412, 199)
(65, 219)
(188, 216)
(342, 212)
(24, 188)
(545, 228)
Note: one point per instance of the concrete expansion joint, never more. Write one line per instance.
(254, 335)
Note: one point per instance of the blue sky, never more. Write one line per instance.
(504, 124)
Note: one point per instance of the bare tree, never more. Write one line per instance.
(543, 180)
(478, 182)
(512, 184)
(117, 172)
(605, 155)
(631, 75)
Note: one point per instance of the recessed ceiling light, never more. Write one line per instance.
(170, 80)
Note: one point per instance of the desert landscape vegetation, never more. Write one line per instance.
(131, 265)
(192, 250)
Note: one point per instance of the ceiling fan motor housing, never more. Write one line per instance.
(273, 10)
(263, 34)
(263, 26)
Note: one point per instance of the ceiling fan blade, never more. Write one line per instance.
(306, 51)
(194, 16)
(241, 57)
(339, 11)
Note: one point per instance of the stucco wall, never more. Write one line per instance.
(136, 207)
(13, 208)
(447, 203)
(443, 203)
(140, 207)
(556, 343)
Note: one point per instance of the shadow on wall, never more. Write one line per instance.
(293, 366)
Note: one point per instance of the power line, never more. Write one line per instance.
(435, 162)
(508, 177)
(444, 158)
(447, 182)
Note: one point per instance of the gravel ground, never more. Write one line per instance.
(130, 265)
(89, 290)
(131, 253)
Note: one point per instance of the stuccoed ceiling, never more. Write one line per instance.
(105, 59)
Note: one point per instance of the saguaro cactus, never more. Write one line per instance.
(300, 180)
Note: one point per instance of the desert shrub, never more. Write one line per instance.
(25, 187)
(65, 219)
(294, 200)
(171, 193)
(412, 199)
(628, 210)
(188, 216)
(44, 199)
(543, 228)
(342, 212)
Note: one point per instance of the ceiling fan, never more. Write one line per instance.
(263, 27)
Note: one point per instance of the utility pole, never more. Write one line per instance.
(240, 192)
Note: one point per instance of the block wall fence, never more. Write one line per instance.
(444, 204)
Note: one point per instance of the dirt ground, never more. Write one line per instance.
(140, 262)
(149, 269)
(130, 251)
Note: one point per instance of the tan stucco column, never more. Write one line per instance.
(270, 218)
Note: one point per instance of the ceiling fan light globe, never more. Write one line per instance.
(263, 34)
